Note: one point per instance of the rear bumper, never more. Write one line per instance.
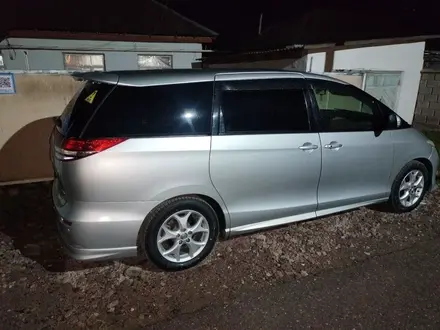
(80, 253)
(100, 231)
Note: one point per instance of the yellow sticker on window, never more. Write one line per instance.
(91, 97)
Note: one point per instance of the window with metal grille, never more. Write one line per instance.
(151, 62)
(84, 62)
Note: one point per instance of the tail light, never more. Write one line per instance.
(77, 148)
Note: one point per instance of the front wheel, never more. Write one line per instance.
(179, 233)
(409, 187)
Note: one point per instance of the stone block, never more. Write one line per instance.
(426, 76)
(437, 76)
(419, 118)
(434, 105)
(433, 121)
(425, 90)
(427, 112)
(433, 83)
(431, 98)
(424, 104)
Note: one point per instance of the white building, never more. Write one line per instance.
(60, 51)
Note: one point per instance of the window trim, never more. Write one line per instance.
(3, 66)
(143, 54)
(78, 53)
(217, 112)
(377, 110)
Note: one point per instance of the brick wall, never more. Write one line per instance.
(427, 111)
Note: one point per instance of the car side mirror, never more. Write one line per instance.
(394, 121)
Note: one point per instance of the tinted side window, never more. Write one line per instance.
(344, 108)
(263, 107)
(81, 107)
(169, 110)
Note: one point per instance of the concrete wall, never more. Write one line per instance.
(406, 58)
(117, 55)
(315, 62)
(26, 123)
(428, 100)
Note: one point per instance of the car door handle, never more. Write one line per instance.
(308, 146)
(333, 145)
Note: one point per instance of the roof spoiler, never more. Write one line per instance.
(103, 77)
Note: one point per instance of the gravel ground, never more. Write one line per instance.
(41, 288)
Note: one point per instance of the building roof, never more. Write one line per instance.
(144, 18)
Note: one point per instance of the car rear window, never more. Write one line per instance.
(82, 106)
(154, 111)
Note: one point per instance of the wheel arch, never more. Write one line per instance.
(219, 211)
(429, 167)
(215, 202)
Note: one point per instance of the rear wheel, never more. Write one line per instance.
(409, 187)
(179, 233)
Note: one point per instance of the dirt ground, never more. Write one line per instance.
(40, 288)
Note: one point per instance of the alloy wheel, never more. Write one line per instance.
(183, 236)
(411, 188)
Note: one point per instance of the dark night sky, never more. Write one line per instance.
(226, 15)
(237, 20)
(234, 20)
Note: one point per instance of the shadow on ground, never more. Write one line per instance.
(27, 217)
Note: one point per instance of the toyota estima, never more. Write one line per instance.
(162, 163)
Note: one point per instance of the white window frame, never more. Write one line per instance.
(152, 55)
(381, 72)
(85, 68)
(2, 62)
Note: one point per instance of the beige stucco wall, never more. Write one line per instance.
(26, 122)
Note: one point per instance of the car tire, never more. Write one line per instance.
(166, 220)
(396, 202)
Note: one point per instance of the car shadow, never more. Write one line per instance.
(29, 220)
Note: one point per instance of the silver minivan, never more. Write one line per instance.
(160, 164)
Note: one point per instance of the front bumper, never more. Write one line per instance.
(434, 159)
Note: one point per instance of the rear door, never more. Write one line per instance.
(265, 160)
(357, 155)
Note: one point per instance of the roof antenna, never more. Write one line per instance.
(260, 25)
